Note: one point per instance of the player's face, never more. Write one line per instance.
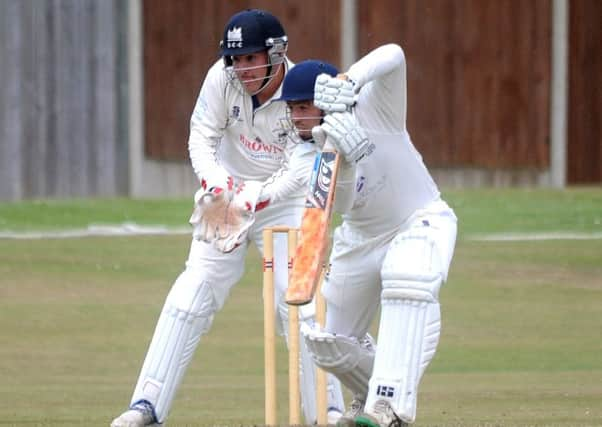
(304, 115)
(251, 69)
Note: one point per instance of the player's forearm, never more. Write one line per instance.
(203, 157)
(293, 177)
(206, 126)
(284, 184)
(280, 186)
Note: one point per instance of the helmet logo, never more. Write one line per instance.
(235, 37)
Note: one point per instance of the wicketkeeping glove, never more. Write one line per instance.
(208, 214)
(246, 199)
(332, 94)
(346, 135)
(217, 181)
(235, 232)
(215, 219)
(248, 196)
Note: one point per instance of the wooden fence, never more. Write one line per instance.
(478, 81)
(62, 130)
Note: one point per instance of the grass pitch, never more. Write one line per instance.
(520, 342)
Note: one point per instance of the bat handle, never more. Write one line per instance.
(328, 145)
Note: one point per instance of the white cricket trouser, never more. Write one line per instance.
(353, 286)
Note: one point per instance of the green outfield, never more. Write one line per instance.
(520, 343)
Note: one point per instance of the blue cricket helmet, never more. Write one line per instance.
(300, 80)
(252, 30)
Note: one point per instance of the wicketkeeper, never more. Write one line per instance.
(394, 248)
(250, 178)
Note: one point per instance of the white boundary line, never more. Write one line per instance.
(126, 229)
(132, 229)
(517, 237)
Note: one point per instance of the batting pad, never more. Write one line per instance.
(346, 357)
(184, 319)
(308, 378)
(410, 323)
(411, 332)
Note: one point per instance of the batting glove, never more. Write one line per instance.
(319, 136)
(332, 94)
(346, 135)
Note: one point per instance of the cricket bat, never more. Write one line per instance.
(313, 241)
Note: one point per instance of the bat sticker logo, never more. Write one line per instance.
(325, 175)
(321, 180)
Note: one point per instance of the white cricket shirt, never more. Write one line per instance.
(227, 132)
(392, 181)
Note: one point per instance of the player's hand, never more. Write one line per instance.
(248, 196)
(217, 221)
(239, 215)
(347, 135)
(236, 231)
(225, 219)
(209, 213)
(334, 94)
(217, 181)
(210, 205)
(319, 136)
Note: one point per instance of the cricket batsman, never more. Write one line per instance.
(392, 251)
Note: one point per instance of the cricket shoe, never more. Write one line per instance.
(382, 416)
(140, 414)
(355, 409)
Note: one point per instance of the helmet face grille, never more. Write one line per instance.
(241, 84)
